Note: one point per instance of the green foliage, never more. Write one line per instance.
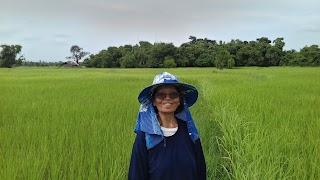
(288, 57)
(152, 63)
(273, 56)
(114, 56)
(192, 52)
(18, 62)
(279, 43)
(8, 55)
(128, 61)
(40, 63)
(308, 56)
(169, 62)
(230, 63)
(197, 52)
(248, 56)
(86, 61)
(234, 46)
(200, 52)
(299, 60)
(223, 59)
(77, 53)
(101, 60)
(254, 123)
(205, 60)
(160, 51)
(311, 55)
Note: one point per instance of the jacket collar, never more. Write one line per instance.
(148, 123)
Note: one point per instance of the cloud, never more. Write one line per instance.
(60, 38)
(97, 24)
(310, 29)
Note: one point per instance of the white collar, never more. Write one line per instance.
(167, 132)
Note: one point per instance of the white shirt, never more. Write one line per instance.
(167, 132)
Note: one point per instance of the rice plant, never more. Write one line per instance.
(254, 123)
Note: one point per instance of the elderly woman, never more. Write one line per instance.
(167, 144)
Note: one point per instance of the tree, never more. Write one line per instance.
(234, 45)
(262, 45)
(288, 56)
(193, 39)
(275, 53)
(248, 56)
(299, 60)
(8, 55)
(279, 43)
(230, 63)
(312, 55)
(169, 62)
(204, 60)
(87, 62)
(77, 53)
(201, 52)
(102, 60)
(19, 61)
(223, 59)
(142, 53)
(128, 61)
(158, 53)
(115, 55)
(189, 54)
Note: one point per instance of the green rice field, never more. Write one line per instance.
(77, 123)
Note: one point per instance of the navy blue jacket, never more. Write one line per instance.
(176, 157)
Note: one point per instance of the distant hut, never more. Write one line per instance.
(70, 64)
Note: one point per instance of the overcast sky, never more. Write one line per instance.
(47, 29)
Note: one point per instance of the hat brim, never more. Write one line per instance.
(189, 91)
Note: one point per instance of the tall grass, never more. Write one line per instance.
(66, 124)
(269, 122)
(254, 123)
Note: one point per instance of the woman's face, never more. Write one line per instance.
(167, 99)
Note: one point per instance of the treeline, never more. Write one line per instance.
(40, 63)
(195, 53)
(9, 57)
(205, 53)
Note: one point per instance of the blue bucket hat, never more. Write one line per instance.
(190, 92)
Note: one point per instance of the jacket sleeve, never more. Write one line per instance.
(201, 163)
(138, 169)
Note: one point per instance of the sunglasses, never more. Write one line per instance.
(172, 95)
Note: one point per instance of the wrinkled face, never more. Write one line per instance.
(167, 99)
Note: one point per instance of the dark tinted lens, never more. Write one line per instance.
(160, 95)
(173, 95)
